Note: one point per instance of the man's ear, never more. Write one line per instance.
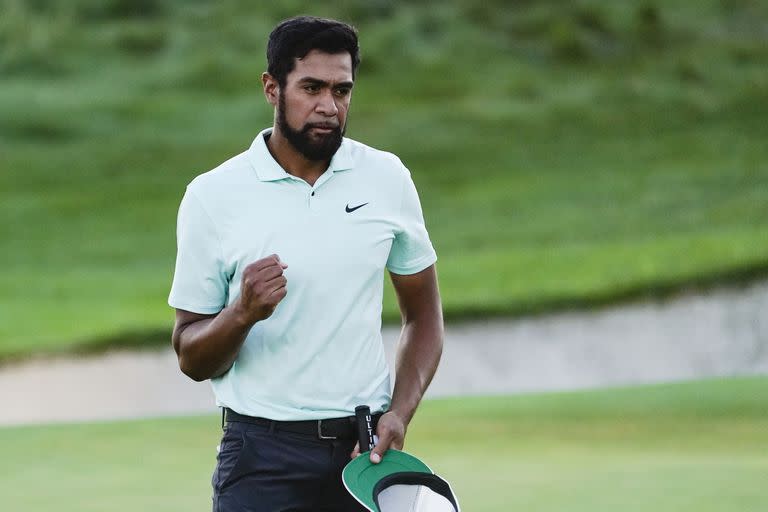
(271, 88)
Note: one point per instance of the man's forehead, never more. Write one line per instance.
(327, 67)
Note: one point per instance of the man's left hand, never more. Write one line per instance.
(391, 433)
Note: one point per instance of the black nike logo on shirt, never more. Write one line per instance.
(350, 210)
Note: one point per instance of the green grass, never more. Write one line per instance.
(677, 447)
(565, 155)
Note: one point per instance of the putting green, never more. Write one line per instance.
(695, 446)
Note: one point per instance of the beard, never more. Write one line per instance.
(321, 148)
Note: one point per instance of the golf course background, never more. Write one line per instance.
(567, 154)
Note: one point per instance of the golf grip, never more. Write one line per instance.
(364, 427)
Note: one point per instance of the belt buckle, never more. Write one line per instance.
(320, 431)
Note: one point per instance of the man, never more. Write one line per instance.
(278, 286)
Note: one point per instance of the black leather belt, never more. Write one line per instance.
(331, 428)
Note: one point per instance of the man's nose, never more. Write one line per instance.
(326, 104)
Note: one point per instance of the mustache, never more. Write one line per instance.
(327, 126)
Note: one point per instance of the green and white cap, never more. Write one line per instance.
(399, 483)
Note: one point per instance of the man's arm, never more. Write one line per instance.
(418, 353)
(207, 345)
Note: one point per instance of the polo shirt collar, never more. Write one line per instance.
(267, 168)
(342, 159)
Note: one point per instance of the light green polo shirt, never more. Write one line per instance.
(320, 354)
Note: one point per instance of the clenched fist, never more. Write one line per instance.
(262, 288)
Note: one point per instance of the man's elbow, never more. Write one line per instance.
(187, 364)
(193, 372)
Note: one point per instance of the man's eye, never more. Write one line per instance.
(311, 88)
(342, 92)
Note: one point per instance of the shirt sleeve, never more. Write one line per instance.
(200, 284)
(411, 250)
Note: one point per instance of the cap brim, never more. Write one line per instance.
(365, 480)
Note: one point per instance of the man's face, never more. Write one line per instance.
(313, 104)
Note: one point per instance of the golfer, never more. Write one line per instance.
(278, 286)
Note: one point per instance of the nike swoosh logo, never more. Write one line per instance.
(350, 210)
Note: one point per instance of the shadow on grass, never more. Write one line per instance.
(135, 339)
(649, 291)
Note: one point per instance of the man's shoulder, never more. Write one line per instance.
(372, 158)
(227, 174)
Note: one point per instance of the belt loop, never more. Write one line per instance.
(223, 411)
(272, 426)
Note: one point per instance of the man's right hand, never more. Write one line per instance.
(207, 345)
(262, 288)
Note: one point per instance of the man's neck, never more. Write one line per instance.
(293, 162)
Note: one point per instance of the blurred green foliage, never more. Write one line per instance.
(566, 153)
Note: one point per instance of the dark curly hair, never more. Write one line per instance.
(295, 37)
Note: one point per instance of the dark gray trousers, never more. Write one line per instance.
(260, 469)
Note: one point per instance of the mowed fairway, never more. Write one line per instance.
(695, 446)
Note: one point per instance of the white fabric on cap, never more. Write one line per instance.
(413, 498)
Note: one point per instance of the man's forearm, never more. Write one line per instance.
(207, 348)
(419, 351)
